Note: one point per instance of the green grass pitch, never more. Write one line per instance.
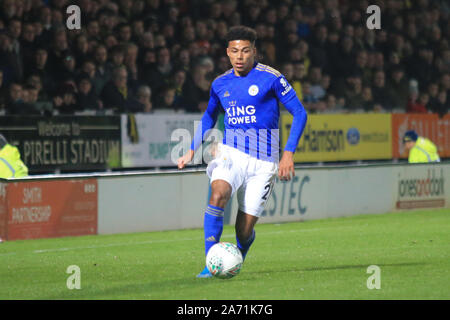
(320, 259)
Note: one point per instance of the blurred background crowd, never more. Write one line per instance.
(150, 55)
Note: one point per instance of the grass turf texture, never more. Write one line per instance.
(320, 259)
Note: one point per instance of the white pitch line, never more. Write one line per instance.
(159, 241)
(137, 243)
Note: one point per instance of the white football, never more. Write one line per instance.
(224, 260)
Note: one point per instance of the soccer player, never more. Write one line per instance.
(420, 149)
(247, 161)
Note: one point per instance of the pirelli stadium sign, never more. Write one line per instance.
(66, 143)
(342, 137)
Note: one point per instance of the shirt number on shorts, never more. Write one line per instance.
(267, 188)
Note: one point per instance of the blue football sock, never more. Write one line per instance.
(244, 247)
(213, 226)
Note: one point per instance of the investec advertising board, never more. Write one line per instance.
(342, 137)
(345, 191)
(146, 139)
(328, 192)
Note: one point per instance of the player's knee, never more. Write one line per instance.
(218, 199)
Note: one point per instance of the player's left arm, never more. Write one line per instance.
(286, 94)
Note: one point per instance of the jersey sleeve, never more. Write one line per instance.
(417, 156)
(287, 96)
(208, 120)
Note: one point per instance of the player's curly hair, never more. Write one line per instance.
(241, 33)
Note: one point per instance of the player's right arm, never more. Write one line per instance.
(208, 121)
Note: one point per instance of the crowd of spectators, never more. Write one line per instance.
(149, 55)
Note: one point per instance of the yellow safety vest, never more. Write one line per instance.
(423, 151)
(10, 164)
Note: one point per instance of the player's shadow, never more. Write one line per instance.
(144, 290)
(343, 267)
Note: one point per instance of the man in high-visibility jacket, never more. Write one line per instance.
(10, 164)
(420, 149)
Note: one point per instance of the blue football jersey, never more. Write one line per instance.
(251, 109)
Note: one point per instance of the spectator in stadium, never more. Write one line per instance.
(43, 102)
(30, 97)
(319, 54)
(178, 81)
(183, 60)
(222, 65)
(117, 57)
(86, 96)
(433, 92)
(196, 91)
(321, 29)
(9, 59)
(81, 50)
(287, 69)
(15, 104)
(421, 66)
(334, 105)
(367, 100)
(304, 55)
(168, 100)
(315, 78)
(65, 101)
(3, 92)
(130, 61)
(144, 96)
(11, 166)
(420, 149)
(379, 91)
(68, 71)
(309, 100)
(361, 66)
(41, 67)
(346, 57)
(444, 83)
(441, 105)
(298, 77)
(103, 70)
(159, 75)
(321, 106)
(59, 47)
(93, 30)
(394, 62)
(124, 33)
(16, 50)
(117, 95)
(267, 47)
(28, 44)
(398, 88)
(378, 61)
(353, 95)
(417, 102)
(332, 48)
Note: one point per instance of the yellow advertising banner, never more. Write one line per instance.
(341, 137)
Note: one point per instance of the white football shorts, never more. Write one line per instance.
(250, 177)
